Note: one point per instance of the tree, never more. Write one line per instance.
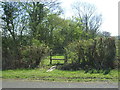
(91, 21)
(53, 6)
(38, 17)
(14, 29)
(36, 14)
(10, 42)
(106, 34)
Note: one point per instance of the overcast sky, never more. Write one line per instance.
(108, 9)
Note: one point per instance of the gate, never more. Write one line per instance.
(65, 58)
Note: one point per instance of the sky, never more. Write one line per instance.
(108, 9)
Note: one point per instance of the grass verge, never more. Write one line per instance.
(59, 75)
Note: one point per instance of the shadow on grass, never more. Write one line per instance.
(76, 67)
(106, 71)
(69, 67)
(93, 71)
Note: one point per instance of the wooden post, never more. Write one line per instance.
(65, 58)
(50, 58)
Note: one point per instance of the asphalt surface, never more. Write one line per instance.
(44, 84)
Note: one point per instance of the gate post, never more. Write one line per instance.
(65, 58)
(50, 57)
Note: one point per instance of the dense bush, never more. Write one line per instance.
(105, 52)
(118, 53)
(32, 55)
(29, 56)
(98, 53)
(118, 48)
(10, 54)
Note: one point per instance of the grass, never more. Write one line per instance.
(59, 75)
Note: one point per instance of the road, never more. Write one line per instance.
(45, 84)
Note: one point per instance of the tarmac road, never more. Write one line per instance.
(45, 84)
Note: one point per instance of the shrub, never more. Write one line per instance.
(32, 55)
(106, 52)
(78, 51)
(98, 53)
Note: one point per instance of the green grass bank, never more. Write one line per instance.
(59, 75)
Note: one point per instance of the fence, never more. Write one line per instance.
(65, 58)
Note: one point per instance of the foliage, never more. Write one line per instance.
(29, 28)
(29, 56)
(118, 53)
(12, 32)
(118, 48)
(32, 55)
(97, 53)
